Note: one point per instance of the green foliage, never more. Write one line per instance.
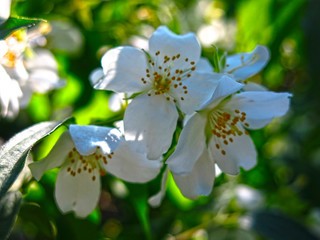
(14, 153)
(9, 208)
(14, 23)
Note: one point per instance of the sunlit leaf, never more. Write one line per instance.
(9, 207)
(15, 151)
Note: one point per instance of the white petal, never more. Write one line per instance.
(156, 200)
(18, 72)
(4, 10)
(77, 193)
(191, 143)
(226, 87)
(3, 47)
(204, 66)
(260, 107)
(123, 68)
(251, 86)
(247, 64)
(55, 158)
(43, 70)
(200, 180)
(170, 44)
(96, 75)
(239, 153)
(200, 87)
(88, 138)
(149, 123)
(132, 166)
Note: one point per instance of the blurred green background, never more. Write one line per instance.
(278, 199)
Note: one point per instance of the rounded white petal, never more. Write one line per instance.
(239, 153)
(96, 76)
(4, 10)
(3, 48)
(123, 68)
(149, 124)
(55, 158)
(79, 193)
(156, 199)
(204, 66)
(226, 87)
(43, 71)
(170, 44)
(132, 166)
(191, 143)
(199, 88)
(245, 65)
(18, 72)
(88, 138)
(200, 180)
(260, 107)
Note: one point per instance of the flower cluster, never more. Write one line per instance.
(24, 69)
(167, 82)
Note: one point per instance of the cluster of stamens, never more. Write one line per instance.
(225, 126)
(79, 163)
(164, 77)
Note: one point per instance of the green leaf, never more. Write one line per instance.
(15, 151)
(276, 226)
(15, 23)
(9, 207)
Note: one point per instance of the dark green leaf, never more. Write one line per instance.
(9, 207)
(15, 23)
(276, 226)
(15, 151)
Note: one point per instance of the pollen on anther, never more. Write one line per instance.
(185, 92)
(230, 139)
(193, 68)
(223, 152)
(184, 87)
(147, 70)
(246, 124)
(93, 178)
(236, 111)
(173, 78)
(90, 170)
(217, 146)
(174, 100)
(149, 94)
(188, 75)
(79, 170)
(192, 63)
(74, 149)
(157, 53)
(225, 142)
(72, 160)
(182, 98)
(187, 59)
(69, 169)
(246, 132)
(175, 86)
(70, 155)
(148, 75)
(168, 99)
(180, 83)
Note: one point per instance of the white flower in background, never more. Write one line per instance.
(85, 152)
(4, 10)
(217, 134)
(159, 81)
(243, 66)
(30, 70)
(10, 92)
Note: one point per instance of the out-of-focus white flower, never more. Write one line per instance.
(159, 81)
(85, 152)
(64, 37)
(29, 70)
(217, 134)
(4, 10)
(219, 32)
(248, 198)
(10, 92)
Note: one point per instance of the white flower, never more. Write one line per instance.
(10, 92)
(35, 70)
(83, 152)
(217, 134)
(4, 10)
(244, 65)
(161, 80)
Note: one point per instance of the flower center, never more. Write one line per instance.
(225, 126)
(164, 76)
(79, 163)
